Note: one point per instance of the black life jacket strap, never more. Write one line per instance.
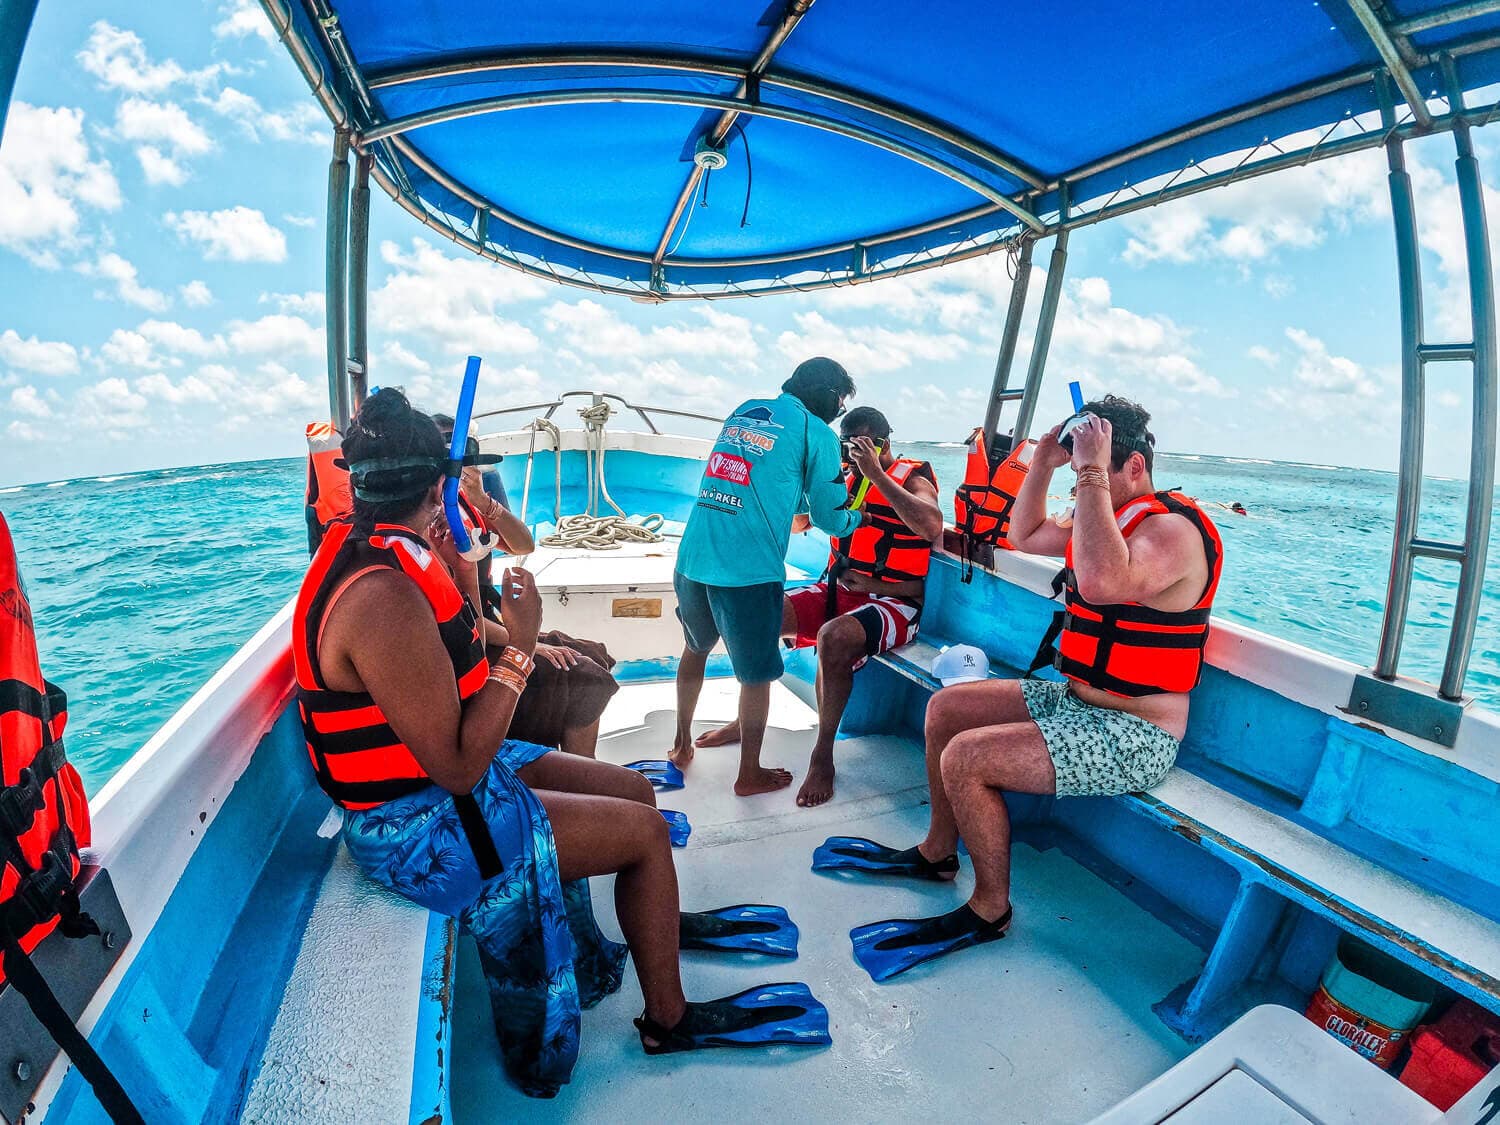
(1046, 651)
(44, 1005)
(19, 803)
(477, 832)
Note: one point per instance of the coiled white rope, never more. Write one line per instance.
(604, 533)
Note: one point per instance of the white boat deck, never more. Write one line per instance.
(1052, 1024)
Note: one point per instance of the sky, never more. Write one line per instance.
(162, 182)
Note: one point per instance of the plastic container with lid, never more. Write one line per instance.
(1370, 1001)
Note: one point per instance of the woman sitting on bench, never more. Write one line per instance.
(406, 722)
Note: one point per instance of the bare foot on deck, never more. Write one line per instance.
(817, 788)
(681, 754)
(761, 780)
(724, 736)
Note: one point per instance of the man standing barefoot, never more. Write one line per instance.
(773, 458)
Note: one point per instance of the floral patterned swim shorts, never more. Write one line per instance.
(1097, 752)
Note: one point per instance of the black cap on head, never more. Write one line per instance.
(822, 384)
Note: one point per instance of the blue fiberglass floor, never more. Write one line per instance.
(1052, 1024)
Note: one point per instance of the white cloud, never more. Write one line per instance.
(238, 234)
(166, 123)
(310, 303)
(155, 344)
(118, 59)
(299, 220)
(25, 431)
(47, 172)
(159, 168)
(864, 349)
(195, 294)
(109, 406)
(595, 331)
(190, 389)
(113, 268)
(456, 303)
(396, 355)
(278, 333)
(1252, 220)
(26, 400)
(42, 357)
(1263, 355)
(302, 122)
(1324, 373)
(242, 18)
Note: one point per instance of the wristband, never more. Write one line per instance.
(508, 679)
(1093, 475)
(515, 660)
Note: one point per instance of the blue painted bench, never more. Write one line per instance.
(1279, 862)
(364, 1031)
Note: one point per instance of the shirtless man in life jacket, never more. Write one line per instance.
(1142, 568)
(871, 598)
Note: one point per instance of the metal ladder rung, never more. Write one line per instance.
(1437, 549)
(1445, 353)
(1011, 396)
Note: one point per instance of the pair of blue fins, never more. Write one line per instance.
(887, 949)
(785, 1012)
(664, 777)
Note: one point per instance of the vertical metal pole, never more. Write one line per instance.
(336, 282)
(1482, 437)
(1051, 295)
(359, 283)
(1413, 411)
(1008, 339)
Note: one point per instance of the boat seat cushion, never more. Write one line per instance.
(361, 1034)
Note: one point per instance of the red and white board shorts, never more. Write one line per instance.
(888, 622)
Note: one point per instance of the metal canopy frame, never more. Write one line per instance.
(348, 96)
(381, 145)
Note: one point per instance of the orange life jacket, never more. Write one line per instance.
(1131, 649)
(359, 760)
(982, 505)
(44, 814)
(329, 497)
(884, 548)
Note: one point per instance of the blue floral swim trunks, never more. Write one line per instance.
(1097, 752)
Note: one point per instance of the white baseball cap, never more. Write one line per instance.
(961, 664)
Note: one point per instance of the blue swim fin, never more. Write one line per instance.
(855, 853)
(662, 774)
(884, 949)
(678, 827)
(748, 928)
(757, 1017)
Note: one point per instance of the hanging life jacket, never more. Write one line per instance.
(358, 759)
(982, 505)
(329, 497)
(44, 814)
(1130, 649)
(44, 820)
(884, 548)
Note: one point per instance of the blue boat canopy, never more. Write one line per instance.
(677, 148)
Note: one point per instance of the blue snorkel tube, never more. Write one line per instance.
(456, 451)
(1065, 433)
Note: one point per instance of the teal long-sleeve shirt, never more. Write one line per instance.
(772, 459)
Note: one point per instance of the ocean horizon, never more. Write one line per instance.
(144, 583)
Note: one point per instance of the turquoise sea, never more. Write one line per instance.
(143, 585)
